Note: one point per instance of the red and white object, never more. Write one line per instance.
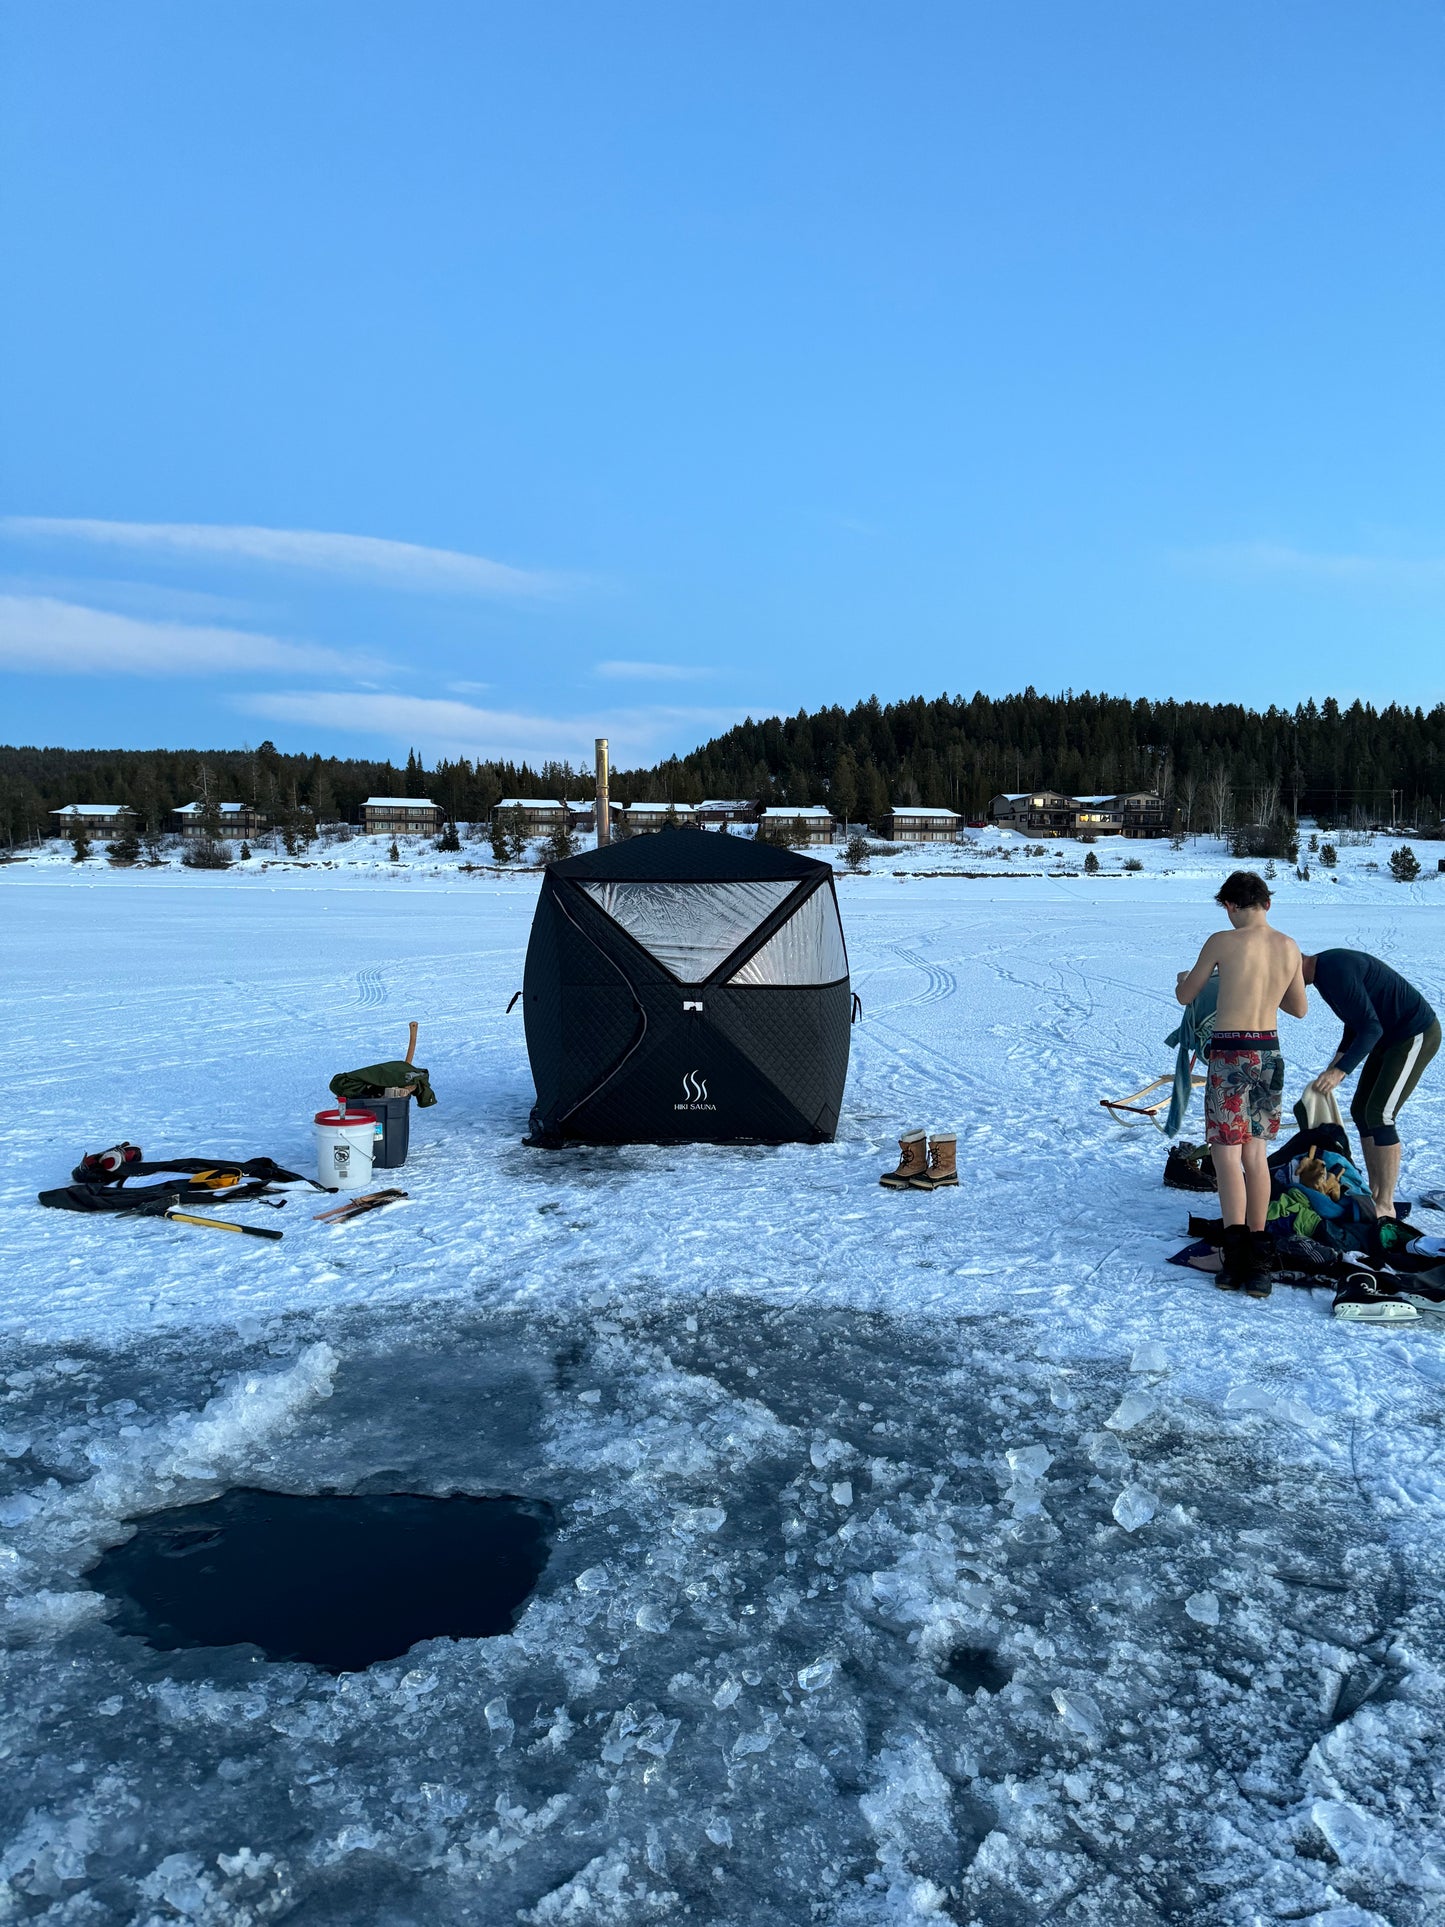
(344, 1143)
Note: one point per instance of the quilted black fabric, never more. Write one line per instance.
(617, 1059)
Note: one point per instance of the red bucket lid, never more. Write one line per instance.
(351, 1117)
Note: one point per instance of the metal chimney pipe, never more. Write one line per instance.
(604, 807)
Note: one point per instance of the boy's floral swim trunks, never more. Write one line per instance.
(1245, 1086)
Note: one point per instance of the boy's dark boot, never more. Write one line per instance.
(1262, 1245)
(1242, 1269)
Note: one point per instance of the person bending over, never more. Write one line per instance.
(1392, 1031)
(1259, 975)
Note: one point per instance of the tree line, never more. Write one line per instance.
(1218, 764)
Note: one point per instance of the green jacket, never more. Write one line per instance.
(374, 1079)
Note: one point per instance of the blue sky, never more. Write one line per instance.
(483, 378)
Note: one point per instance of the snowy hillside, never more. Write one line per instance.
(945, 1558)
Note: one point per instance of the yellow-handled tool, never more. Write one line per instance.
(223, 1224)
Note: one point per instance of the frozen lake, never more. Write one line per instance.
(947, 1558)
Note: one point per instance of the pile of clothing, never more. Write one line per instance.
(1323, 1230)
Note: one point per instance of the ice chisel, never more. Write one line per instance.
(223, 1224)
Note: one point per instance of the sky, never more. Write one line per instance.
(482, 378)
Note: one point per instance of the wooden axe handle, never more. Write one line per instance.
(411, 1045)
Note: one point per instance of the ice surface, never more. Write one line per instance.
(1203, 1608)
(649, 1340)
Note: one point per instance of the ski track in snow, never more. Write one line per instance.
(767, 1720)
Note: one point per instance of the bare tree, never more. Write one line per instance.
(1219, 798)
(1266, 804)
(1188, 793)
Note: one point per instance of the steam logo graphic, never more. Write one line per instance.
(694, 1093)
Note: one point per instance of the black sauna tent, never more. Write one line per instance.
(687, 986)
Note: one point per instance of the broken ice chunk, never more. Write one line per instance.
(719, 1832)
(1131, 1410)
(1030, 1460)
(595, 1579)
(1060, 1397)
(1149, 1358)
(14, 1445)
(826, 1452)
(1135, 1507)
(499, 1721)
(1107, 1454)
(1203, 1607)
(1359, 1840)
(1080, 1714)
(726, 1694)
(814, 1678)
(843, 1492)
(653, 1618)
(698, 1518)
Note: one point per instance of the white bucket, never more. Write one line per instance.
(344, 1143)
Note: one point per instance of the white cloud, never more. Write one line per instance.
(442, 727)
(652, 671)
(1282, 562)
(468, 688)
(45, 635)
(362, 558)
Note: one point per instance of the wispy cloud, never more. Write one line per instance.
(48, 636)
(468, 688)
(1280, 561)
(442, 727)
(360, 558)
(653, 671)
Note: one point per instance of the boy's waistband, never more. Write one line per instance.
(1244, 1040)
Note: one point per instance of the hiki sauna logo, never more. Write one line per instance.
(694, 1091)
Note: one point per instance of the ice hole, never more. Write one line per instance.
(339, 1582)
(969, 1667)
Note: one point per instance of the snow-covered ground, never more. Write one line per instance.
(919, 1557)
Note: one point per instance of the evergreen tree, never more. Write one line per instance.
(125, 850)
(80, 843)
(1404, 864)
(395, 853)
(1091, 864)
(449, 840)
(501, 846)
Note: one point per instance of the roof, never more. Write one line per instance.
(791, 810)
(398, 803)
(94, 809)
(914, 809)
(663, 807)
(532, 803)
(196, 809)
(1111, 798)
(683, 856)
(725, 803)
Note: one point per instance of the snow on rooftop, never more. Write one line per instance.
(914, 809)
(662, 808)
(222, 809)
(93, 809)
(534, 803)
(798, 809)
(399, 803)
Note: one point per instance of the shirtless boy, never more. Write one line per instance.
(1259, 975)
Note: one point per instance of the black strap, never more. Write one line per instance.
(508, 1011)
(857, 1007)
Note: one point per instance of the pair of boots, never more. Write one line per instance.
(924, 1163)
(1248, 1261)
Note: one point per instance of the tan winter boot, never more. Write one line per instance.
(912, 1161)
(942, 1165)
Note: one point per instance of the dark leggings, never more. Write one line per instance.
(1387, 1077)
